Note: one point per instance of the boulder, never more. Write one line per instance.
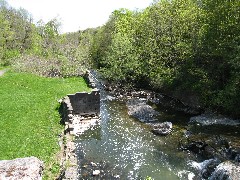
(162, 128)
(178, 104)
(21, 169)
(227, 171)
(139, 109)
(193, 146)
(211, 119)
(96, 172)
(205, 168)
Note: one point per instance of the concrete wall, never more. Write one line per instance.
(85, 103)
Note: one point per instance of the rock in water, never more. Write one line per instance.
(93, 164)
(211, 119)
(21, 169)
(139, 109)
(205, 168)
(162, 128)
(96, 172)
(226, 170)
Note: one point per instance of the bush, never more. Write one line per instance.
(51, 67)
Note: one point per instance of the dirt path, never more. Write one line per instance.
(2, 71)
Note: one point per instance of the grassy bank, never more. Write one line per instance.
(3, 67)
(29, 118)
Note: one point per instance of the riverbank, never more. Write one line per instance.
(212, 140)
(123, 147)
(79, 112)
(30, 118)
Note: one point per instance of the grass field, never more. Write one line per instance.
(3, 67)
(29, 117)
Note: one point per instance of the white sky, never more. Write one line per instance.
(76, 14)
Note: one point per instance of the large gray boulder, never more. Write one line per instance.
(139, 109)
(29, 168)
(227, 171)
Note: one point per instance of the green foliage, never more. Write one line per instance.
(9, 55)
(30, 121)
(40, 48)
(15, 32)
(120, 59)
(174, 46)
(59, 66)
(171, 46)
(76, 48)
(101, 42)
(149, 178)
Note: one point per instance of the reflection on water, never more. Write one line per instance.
(128, 146)
(124, 148)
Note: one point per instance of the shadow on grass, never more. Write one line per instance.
(60, 110)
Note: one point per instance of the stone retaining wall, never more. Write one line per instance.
(80, 112)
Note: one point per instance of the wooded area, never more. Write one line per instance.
(40, 48)
(187, 47)
(178, 47)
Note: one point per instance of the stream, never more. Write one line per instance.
(121, 147)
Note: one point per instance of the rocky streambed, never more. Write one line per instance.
(145, 134)
(211, 140)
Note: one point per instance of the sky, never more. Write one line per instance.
(76, 15)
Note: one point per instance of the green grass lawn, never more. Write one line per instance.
(29, 117)
(1, 67)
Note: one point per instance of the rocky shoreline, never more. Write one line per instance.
(159, 99)
(79, 112)
(217, 158)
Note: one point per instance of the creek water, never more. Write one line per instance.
(121, 147)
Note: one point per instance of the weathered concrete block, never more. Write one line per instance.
(85, 103)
